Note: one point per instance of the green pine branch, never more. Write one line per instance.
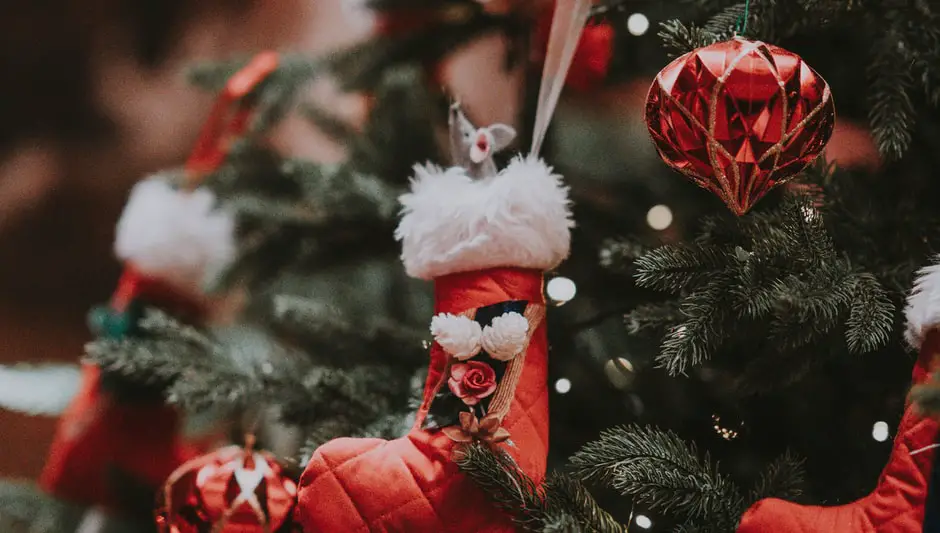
(202, 372)
(783, 478)
(661, 472)
(655, 318)
(891, 110)
(166, 349)
(726, 22)
(497, 474)
(679, 38)
(619, 255)
(871, 318)
(24, 508)
(320, 327)
(561, 504)
(574, 506)
(275, 97)
(692, 341)
(775, 274)
(672, 268)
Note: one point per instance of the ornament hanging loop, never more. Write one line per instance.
(741, 27)
(568, 22)
(228, 119)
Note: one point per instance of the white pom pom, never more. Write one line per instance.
(174, 235)
(506, 336)
(458, 335)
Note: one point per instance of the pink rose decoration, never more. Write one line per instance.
(472, 381)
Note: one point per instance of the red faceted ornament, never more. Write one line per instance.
(739, 118)
(231, 490)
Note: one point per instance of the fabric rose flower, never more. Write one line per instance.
(506, 336)
(472, 381)
(457, 335)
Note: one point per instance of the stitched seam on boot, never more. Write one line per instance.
(331, 470)
(414, 480)
(903, 448)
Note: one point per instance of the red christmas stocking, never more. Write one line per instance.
(897, 503)
(485, 242)
(117, 435)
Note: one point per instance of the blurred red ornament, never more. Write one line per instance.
(739, 118)
(591, 59)
(231, 490)
(505, 7)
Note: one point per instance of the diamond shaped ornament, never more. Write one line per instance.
(739, 118)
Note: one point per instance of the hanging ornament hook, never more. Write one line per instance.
(228, 119)
(568, 21)
(741, 27)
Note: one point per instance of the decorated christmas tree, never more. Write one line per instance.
(700, 313)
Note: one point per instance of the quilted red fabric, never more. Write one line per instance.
(410, 484)
(897, 503)
(97, 435)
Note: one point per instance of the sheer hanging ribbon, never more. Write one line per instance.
(568, 22)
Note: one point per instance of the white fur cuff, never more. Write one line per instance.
(923, 304)
(452, 223)
(174, 235)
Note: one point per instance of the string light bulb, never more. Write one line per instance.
(880, 431)
(638, 24)
(561, 290)
(620, 372)
(723, 432)
(563, 385)
(643, 521)
(659, 217)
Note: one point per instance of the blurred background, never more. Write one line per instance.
(94, 99)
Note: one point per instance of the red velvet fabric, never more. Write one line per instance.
(897, 503)
(96, 435)
(411, 484)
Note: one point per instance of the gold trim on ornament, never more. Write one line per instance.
(724, 188)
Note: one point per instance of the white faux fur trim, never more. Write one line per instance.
(452, 223)
(38, 390)
(923, 304)
(177, 236)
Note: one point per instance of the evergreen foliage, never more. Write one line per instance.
(760, 311)
(666, 474)
(560, 505)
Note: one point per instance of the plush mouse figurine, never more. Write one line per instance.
(485, 238)
(898, 502)
(117, 435)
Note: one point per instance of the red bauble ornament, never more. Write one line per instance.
(591, 58)
(231, 490)
(739, 118)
